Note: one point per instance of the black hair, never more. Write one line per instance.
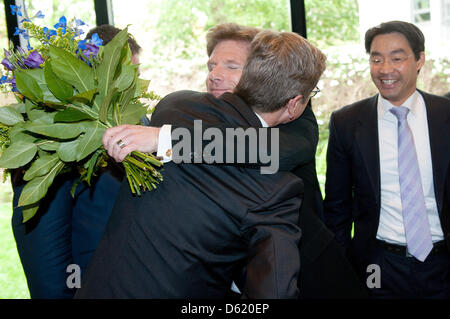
(412, 34)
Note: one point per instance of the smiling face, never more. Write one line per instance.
(396, 75)
(225, 66)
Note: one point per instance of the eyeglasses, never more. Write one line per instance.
(394, 60)
(314, 92)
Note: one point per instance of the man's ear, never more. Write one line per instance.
(295, 107)
(420, 62)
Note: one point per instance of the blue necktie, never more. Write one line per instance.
(415, 220)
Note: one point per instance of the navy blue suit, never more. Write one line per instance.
(64, 231)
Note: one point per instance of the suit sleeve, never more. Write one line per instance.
(273, 236)
(338, 201)
(296, 142)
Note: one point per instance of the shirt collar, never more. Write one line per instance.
(263, 123)
(412, 103)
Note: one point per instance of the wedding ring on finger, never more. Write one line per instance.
(121, 144)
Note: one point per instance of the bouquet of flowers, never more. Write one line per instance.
(69, 91)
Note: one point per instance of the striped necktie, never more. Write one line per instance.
(415, 220)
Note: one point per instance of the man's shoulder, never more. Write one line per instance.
(181, 98)
(191, 105)
(436, 101)
(355, 110)
(183, 107)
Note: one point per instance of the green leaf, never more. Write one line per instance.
(18, 133)
(132, 113)
(57, 130)
(91, 163)
(10, 116)
(126, 77)
(60, 89)
(48, 145)
(141, 87)
(111, 57)
(29, 106)
(71, 70)
(91, 140)
(18, 154)
(72, 114)
(106, 104)
(47, 96)
(127, 96)
(84, 97)
(41, 166)
(19, 107)
(28, 86)
(68, 151)
(29, 211)
(75, 184)
(37, 188)
(40, 116)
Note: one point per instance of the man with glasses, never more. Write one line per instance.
(189, 236)
(388, 168)
(325, 271)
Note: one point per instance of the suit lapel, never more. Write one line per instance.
(438, 127)
(366, 135)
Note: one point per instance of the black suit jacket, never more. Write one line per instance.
(325, 271)
(353, 173)
(187, 238)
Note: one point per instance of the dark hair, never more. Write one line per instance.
(412, 34)
(229, 31)
(107, 32)
(280, 66)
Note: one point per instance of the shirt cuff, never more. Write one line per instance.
(165, 143)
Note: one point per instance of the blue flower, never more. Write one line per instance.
(62, 23)
(79, 22)
(29, 47)
(48, 33)
(25, 20)
(18, 31)
(78, 32)
(15, 9)
(3, 79)
(39, 15)
(95, 39)
(22, 32)
(82, 45)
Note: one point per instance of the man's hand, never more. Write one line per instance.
(121, 140)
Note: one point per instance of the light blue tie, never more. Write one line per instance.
(415, 220)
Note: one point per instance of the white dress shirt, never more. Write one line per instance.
(391, 227)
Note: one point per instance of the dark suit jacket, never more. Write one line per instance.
(188, 237)
(353, 173)
(325, 271)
